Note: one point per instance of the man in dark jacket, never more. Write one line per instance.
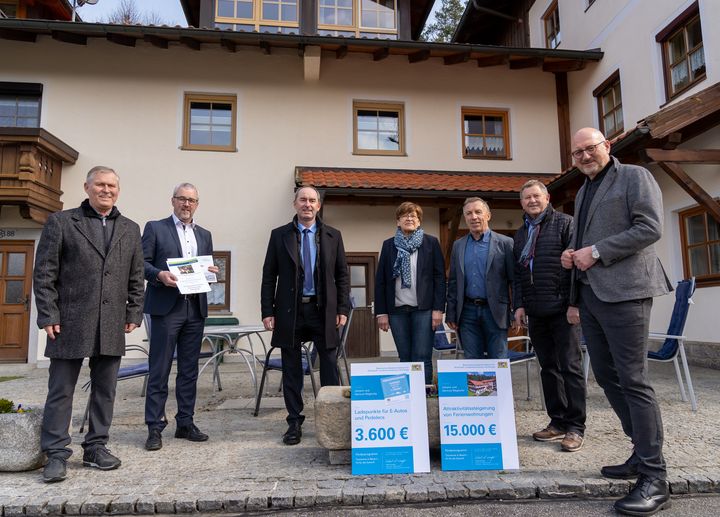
(88, 284)
(540, 294)
(305, 296)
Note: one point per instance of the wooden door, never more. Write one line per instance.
(16, 260)
(364, 337)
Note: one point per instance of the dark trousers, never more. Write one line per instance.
(560, 359)
(55, 436)
(309, 326)
(616, 336)
(183, 327)
(413, 335)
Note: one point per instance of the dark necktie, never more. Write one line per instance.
(307, 262)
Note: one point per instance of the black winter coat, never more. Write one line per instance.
(546, 289)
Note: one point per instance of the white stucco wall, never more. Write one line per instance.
(123, 107)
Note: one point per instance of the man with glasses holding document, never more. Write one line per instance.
(176, 318)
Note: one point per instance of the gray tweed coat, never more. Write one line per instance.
(90, 293)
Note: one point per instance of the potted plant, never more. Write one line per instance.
(20, 437)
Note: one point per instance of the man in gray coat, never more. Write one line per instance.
(618, 218)
(88, 284)
(481, 273)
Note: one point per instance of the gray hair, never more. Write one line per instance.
(534, 183)
(476, 200)
(297, 192)
(99, 169)
(185, 185)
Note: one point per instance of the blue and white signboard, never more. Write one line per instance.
(477, 417)
(388, 418)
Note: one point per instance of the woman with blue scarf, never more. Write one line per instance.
(410, 288)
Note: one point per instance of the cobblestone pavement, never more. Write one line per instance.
(245, 467)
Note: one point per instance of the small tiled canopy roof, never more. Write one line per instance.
(344, 180)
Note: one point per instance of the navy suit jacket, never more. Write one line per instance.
(498, 279)
(160, 242)
(430, 277)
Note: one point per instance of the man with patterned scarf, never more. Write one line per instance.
(541, 289)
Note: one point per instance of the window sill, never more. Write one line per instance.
(377, 153)
(506, 158)
(208, 148)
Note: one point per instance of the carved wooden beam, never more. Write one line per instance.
(486, 61)
(229, 45)
(190, 42)
(341, 52)
(456, 59)
(265, 46)
(18, 35)
(121, 39)
(420, 55)
(156, 41)
(69, 37)
(708, 156)
(691, 187)
(526, 62)
(381, 54)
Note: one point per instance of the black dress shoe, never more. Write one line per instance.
(154, 440)
(54, 470)
(191, 432)
(648, 496)
(293, 435)
(625, 471)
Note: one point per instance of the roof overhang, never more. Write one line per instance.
(197, 39)
(485, 21)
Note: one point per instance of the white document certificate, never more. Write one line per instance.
(206, 261)
(190, 275)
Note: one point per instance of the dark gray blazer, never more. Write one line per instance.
(89, 293)
(498, 279)
(624, 221)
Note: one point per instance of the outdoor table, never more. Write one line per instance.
(217, 335)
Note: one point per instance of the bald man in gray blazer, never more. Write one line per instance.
(618, 218)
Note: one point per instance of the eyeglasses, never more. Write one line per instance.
(578, 153)
(409, 216)
(184, 200)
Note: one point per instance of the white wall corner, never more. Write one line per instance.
(311, 61)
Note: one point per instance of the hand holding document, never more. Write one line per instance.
(191, 276)
(206, 262)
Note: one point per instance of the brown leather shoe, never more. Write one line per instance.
(549, 434)
(572, 442)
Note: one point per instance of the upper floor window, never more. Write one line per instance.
(379, 128)
(209, 122)
(700, 236)
(551, 21)
(20, 104)
(357, 18)
(485, 133)
(683, 54)
(609, 101)
(257, 15)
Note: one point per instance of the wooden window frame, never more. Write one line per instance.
(14, 3)
(398, 107)
(13, 89)
(225, 307)
(191, 97)
(552, 15)
(257, 21)
(357, 26)
(606, 86)
(494, 112)
(680, 24)
(709, 280)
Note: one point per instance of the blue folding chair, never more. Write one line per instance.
(673, 340)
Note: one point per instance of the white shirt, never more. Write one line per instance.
(405, 295)
(187, 237)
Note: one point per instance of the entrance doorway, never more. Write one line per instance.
(364, 337)
(16, 260)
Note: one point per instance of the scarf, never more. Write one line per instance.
(405, 247)
(528, 251)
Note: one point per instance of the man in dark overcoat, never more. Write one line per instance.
(88, 284)
(305, 296)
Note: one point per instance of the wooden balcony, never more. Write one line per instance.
(31, 161)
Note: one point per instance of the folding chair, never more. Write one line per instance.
(445, 341)
(275, 363)
(344, 331)
(673, 344)
(526, 357)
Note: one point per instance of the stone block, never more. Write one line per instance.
(374, 495)
(525, 488)
(352, 496)
(620, 487)
(257, 501)
(73, 505)
(235, 503)
(210, 503)
(476, 490)
(164, 505)
(698, 484)
(282, 500)
(328, 496)
(595, 487)
(394, 495)
(94, 506)
(20, 441)
(146, 506)
(305, 498)
(34, 508)
(54, 506)
(416, 493)
(185, 504)
(343, 457)
(332, 420)
(436, 493)
(499, 489)
(678, 485)
(123, 505)
(455, 490)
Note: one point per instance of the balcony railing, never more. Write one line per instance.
(31, 161)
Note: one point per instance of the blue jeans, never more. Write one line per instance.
(413, 334)
(480, 335)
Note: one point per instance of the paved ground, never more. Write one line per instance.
(245, 466)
